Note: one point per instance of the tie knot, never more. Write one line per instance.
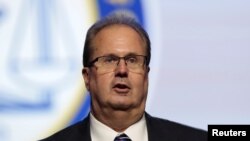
(122, 137)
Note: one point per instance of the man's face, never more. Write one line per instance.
(120, 88)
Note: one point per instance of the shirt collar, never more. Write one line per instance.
(100, 131)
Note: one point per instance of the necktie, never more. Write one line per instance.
(122, 137)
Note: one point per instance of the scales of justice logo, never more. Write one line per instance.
(41, 86)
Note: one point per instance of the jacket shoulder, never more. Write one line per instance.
(162, 129)
(78, 131)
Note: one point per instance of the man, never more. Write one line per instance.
(116, 65)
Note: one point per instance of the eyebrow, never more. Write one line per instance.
(128, 54)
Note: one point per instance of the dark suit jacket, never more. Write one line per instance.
(158, 130)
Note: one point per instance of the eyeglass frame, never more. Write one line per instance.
(91, 63)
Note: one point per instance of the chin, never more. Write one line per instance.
(121, 106)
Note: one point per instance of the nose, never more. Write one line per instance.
(121, 68)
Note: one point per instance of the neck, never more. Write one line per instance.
(118, 120)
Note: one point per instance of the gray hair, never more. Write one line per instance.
(118, 19)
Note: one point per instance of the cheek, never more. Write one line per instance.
(100, 83)
(140, 84)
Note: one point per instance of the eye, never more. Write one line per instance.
(131, 60)
(109, 59)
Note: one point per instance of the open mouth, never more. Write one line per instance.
(121, 88)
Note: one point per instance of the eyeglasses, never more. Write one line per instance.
(134, 63)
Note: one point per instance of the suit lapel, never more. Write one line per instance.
(154, 130)
(84, 130)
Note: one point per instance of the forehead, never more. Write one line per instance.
(119, 40)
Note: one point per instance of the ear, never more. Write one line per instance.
(148, 69)
(85, 74)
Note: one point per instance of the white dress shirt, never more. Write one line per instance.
(101, 132)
